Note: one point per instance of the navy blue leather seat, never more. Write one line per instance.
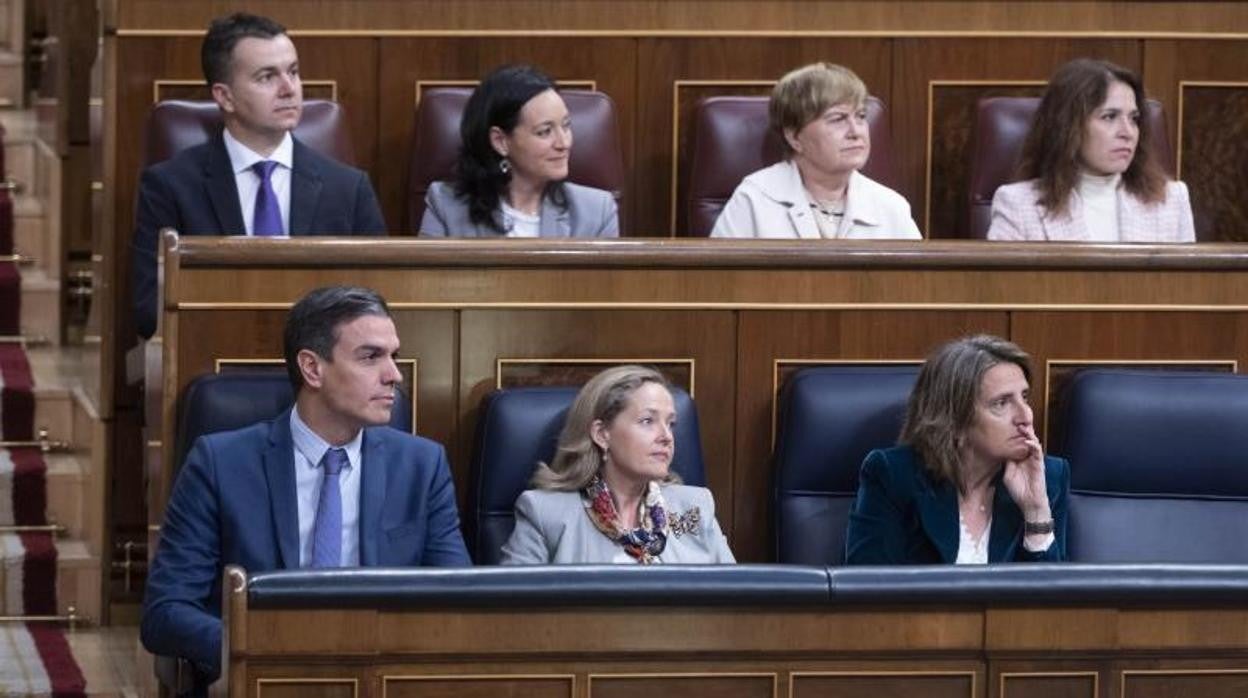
(223, 401)
(518, 428)
(1159, 466)
(830, 418)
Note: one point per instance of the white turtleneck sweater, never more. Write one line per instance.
(1098, 197)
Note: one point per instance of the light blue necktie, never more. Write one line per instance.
(268, 217)
(327, 529)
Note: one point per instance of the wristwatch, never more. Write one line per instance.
(1038, 527)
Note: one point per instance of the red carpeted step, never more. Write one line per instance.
(17, 393)
(10, 298)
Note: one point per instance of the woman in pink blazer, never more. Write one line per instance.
(1089, 169)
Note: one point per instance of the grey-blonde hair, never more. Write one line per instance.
(578, 459)
(803, 95)
(942, 404)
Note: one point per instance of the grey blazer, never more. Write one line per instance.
(553, 528)
(591, 213)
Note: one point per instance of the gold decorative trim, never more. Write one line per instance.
(261, 683)
(931, 115)
(774, 676)
(709, 33)
(219, 362)
(691, 362)
(676, 85)
(1096, 678)
(1049, 364)
(793, 676)
(711, 305)
(158, 83)
(1125, 673)
(422, 84)
(1178, 131)
(775, 377)
(387, 678)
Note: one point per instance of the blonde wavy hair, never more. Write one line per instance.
(578, 459)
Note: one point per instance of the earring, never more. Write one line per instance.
(504, 165)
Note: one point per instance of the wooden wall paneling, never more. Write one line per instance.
(873, 684)
(609, 62)
(1204, 87)
(1180, 682)
(706, 685)
(1185, 340)
(620, 336)
(479, 686)
(1019, 679)
(665, 62)
(767, 338)
(701, 15)
(920, 62)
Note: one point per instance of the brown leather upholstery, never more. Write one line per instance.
(1001, 126)
(175, 125)
(732, 138)
(596, 160)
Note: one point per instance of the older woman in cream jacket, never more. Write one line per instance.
(817, 191)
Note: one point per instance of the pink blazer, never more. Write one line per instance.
(1017, 216)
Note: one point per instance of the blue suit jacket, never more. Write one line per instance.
(234, 503)
(194, 193)
(903, 517)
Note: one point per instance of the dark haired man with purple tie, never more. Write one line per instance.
(254, 178)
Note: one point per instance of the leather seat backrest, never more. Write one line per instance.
(224, 401)
(1159, 466)
(596, 159)
(175, 125)
(1001, 126)
(830, 418)
(518, 428)
(732, 138)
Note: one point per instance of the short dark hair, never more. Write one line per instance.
(497, 101)
(942, 403)
(1051, 149)
(314, 320)
(218, 48)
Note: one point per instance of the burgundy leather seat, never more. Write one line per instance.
(732, 138)
(596, 159)
(1001, 126)
(175, 125)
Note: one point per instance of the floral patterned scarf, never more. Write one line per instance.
(644, 543)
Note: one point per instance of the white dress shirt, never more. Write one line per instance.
(520, 224)
(248, 182)
(309, 450)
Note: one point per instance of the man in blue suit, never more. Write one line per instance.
(253, 178)
(325, 484)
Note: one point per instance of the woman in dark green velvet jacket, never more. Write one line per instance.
(970, 482)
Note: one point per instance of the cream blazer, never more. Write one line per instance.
(772, 203)
(553, 528)
(1017, 216)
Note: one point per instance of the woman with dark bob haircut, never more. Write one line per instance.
(970, 483)
(1089, 167)
(517, 140)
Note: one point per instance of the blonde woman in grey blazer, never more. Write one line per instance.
(608, 495)
(513, 163)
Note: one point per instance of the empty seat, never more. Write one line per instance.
(830, 418)
(519, 427)
(175, 125)
(1001, 126)
(1159, 466)
(732, 138)
(596, 159)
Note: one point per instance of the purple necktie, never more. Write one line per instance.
(327, 527)
(268, 218)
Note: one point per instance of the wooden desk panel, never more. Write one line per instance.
(732, 317)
